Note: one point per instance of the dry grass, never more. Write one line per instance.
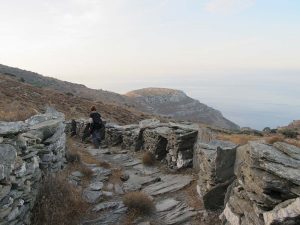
(240, 139)
(14, 111)
(272, 140)
(192, 197)
(139, 203)
(148, 159)
(77, 149)
(58, 202)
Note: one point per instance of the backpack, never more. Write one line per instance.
(97, 121)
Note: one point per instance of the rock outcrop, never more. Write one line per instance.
(215, 161)
(176, 104)
(27, 150)
(267, 188)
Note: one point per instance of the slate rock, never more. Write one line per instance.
(168, 184)
(91, 196)
(96, 186)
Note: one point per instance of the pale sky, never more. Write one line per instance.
(239, 56)
(88, 41)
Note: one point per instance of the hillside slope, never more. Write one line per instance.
(39, 80)
(177, 104)
(167, 102)
(19, 100)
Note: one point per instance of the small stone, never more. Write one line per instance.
(124, 177)
(97, 186)
(92, 196)
(105, 205)
(119, 189)
(77, 174)
(107, 193)
(110, 186)
(4, 190)
(13, 214)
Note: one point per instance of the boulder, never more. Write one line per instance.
(180, 146)
(216, 171)
(267, 189)
(156, 140)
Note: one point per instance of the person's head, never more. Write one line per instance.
(93, 108)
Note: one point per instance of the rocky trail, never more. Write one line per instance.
(171, 193)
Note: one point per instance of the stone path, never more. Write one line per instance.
(108, 207)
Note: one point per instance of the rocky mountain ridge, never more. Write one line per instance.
(161, 101)
(176, 104)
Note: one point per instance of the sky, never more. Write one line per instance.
(218, 51)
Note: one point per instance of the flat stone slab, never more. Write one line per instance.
(136, 181)
(146, 170)
(166, 205)
(96, 186)
(91, 196)
(106, 205)
(132, 163)
(112, 217)
(100, 171)
(168, 184)
(175, 214)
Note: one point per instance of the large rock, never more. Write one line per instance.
(113, 134)
(287, 213)
(180, 146)
(156, 140)
(168, 184)
(9, 128)
(216, 171)
(132, 138)
(268, 185)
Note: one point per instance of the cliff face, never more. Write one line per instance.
(177, 104)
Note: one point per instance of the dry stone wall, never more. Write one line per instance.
(28, 150)
(254, 184)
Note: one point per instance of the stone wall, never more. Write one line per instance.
(254, 184)
(28, 150)
(172, 142)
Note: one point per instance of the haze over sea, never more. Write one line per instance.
(255, 99)
(238, 56)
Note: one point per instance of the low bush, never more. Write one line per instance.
(58, 202)
(73, 158)
(288, 133)
(148, 159)
(138, 202)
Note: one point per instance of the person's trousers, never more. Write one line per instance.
(96, 137)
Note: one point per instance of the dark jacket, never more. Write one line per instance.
(97, 122)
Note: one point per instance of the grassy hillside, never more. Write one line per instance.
(19, 100)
